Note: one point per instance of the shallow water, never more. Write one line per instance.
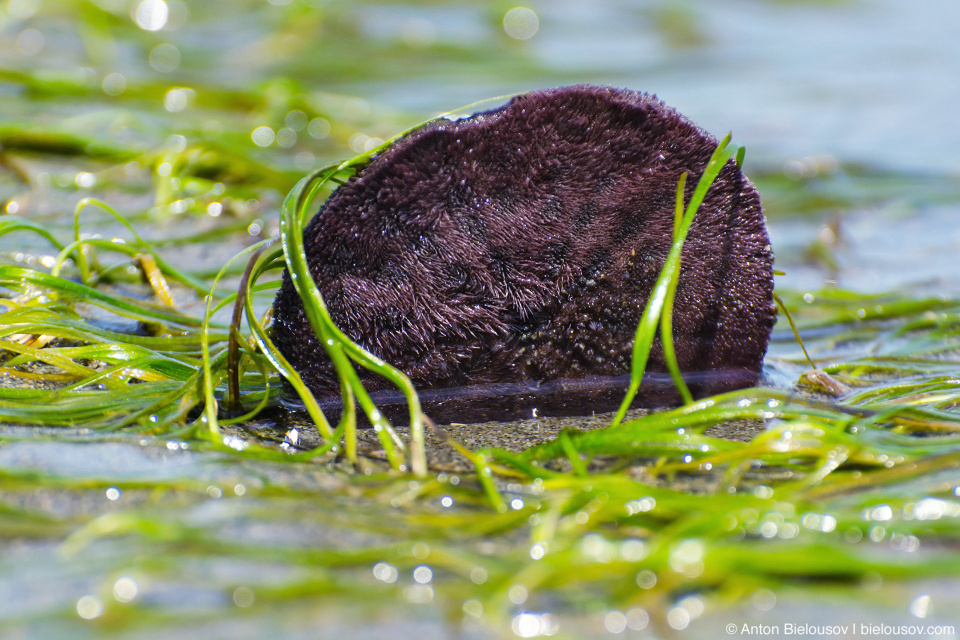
(847, 111)
(862, 83)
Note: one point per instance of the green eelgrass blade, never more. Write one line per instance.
(139, 243)
(338, 346)
(37, 320)
(276, 358)
(666, 321)
(646, 330)
(19, 278)
(333, 340)
(741, 152)
(570, 450)
(12, 223)
(793, 326)
(210, 404)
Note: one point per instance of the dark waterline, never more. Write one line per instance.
(532, 399)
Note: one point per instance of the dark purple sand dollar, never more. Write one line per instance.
(503, 261)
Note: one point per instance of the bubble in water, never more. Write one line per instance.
(473, 608)
(296, 120)
(30, 42)
(243, 597)
(164, 58)
(263, 136)
(286, 137)
(319, 128)
(518, 594)
(637, 618)
(615, 621)
(521, 23)
(678, 618)
(114, 84)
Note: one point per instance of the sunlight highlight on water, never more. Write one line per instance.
(125, 589)
(177, 98)
(532, 625)
(151, 15)
(89, 607)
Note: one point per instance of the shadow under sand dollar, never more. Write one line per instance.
(503, 261)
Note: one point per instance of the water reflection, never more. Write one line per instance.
(534, 399)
